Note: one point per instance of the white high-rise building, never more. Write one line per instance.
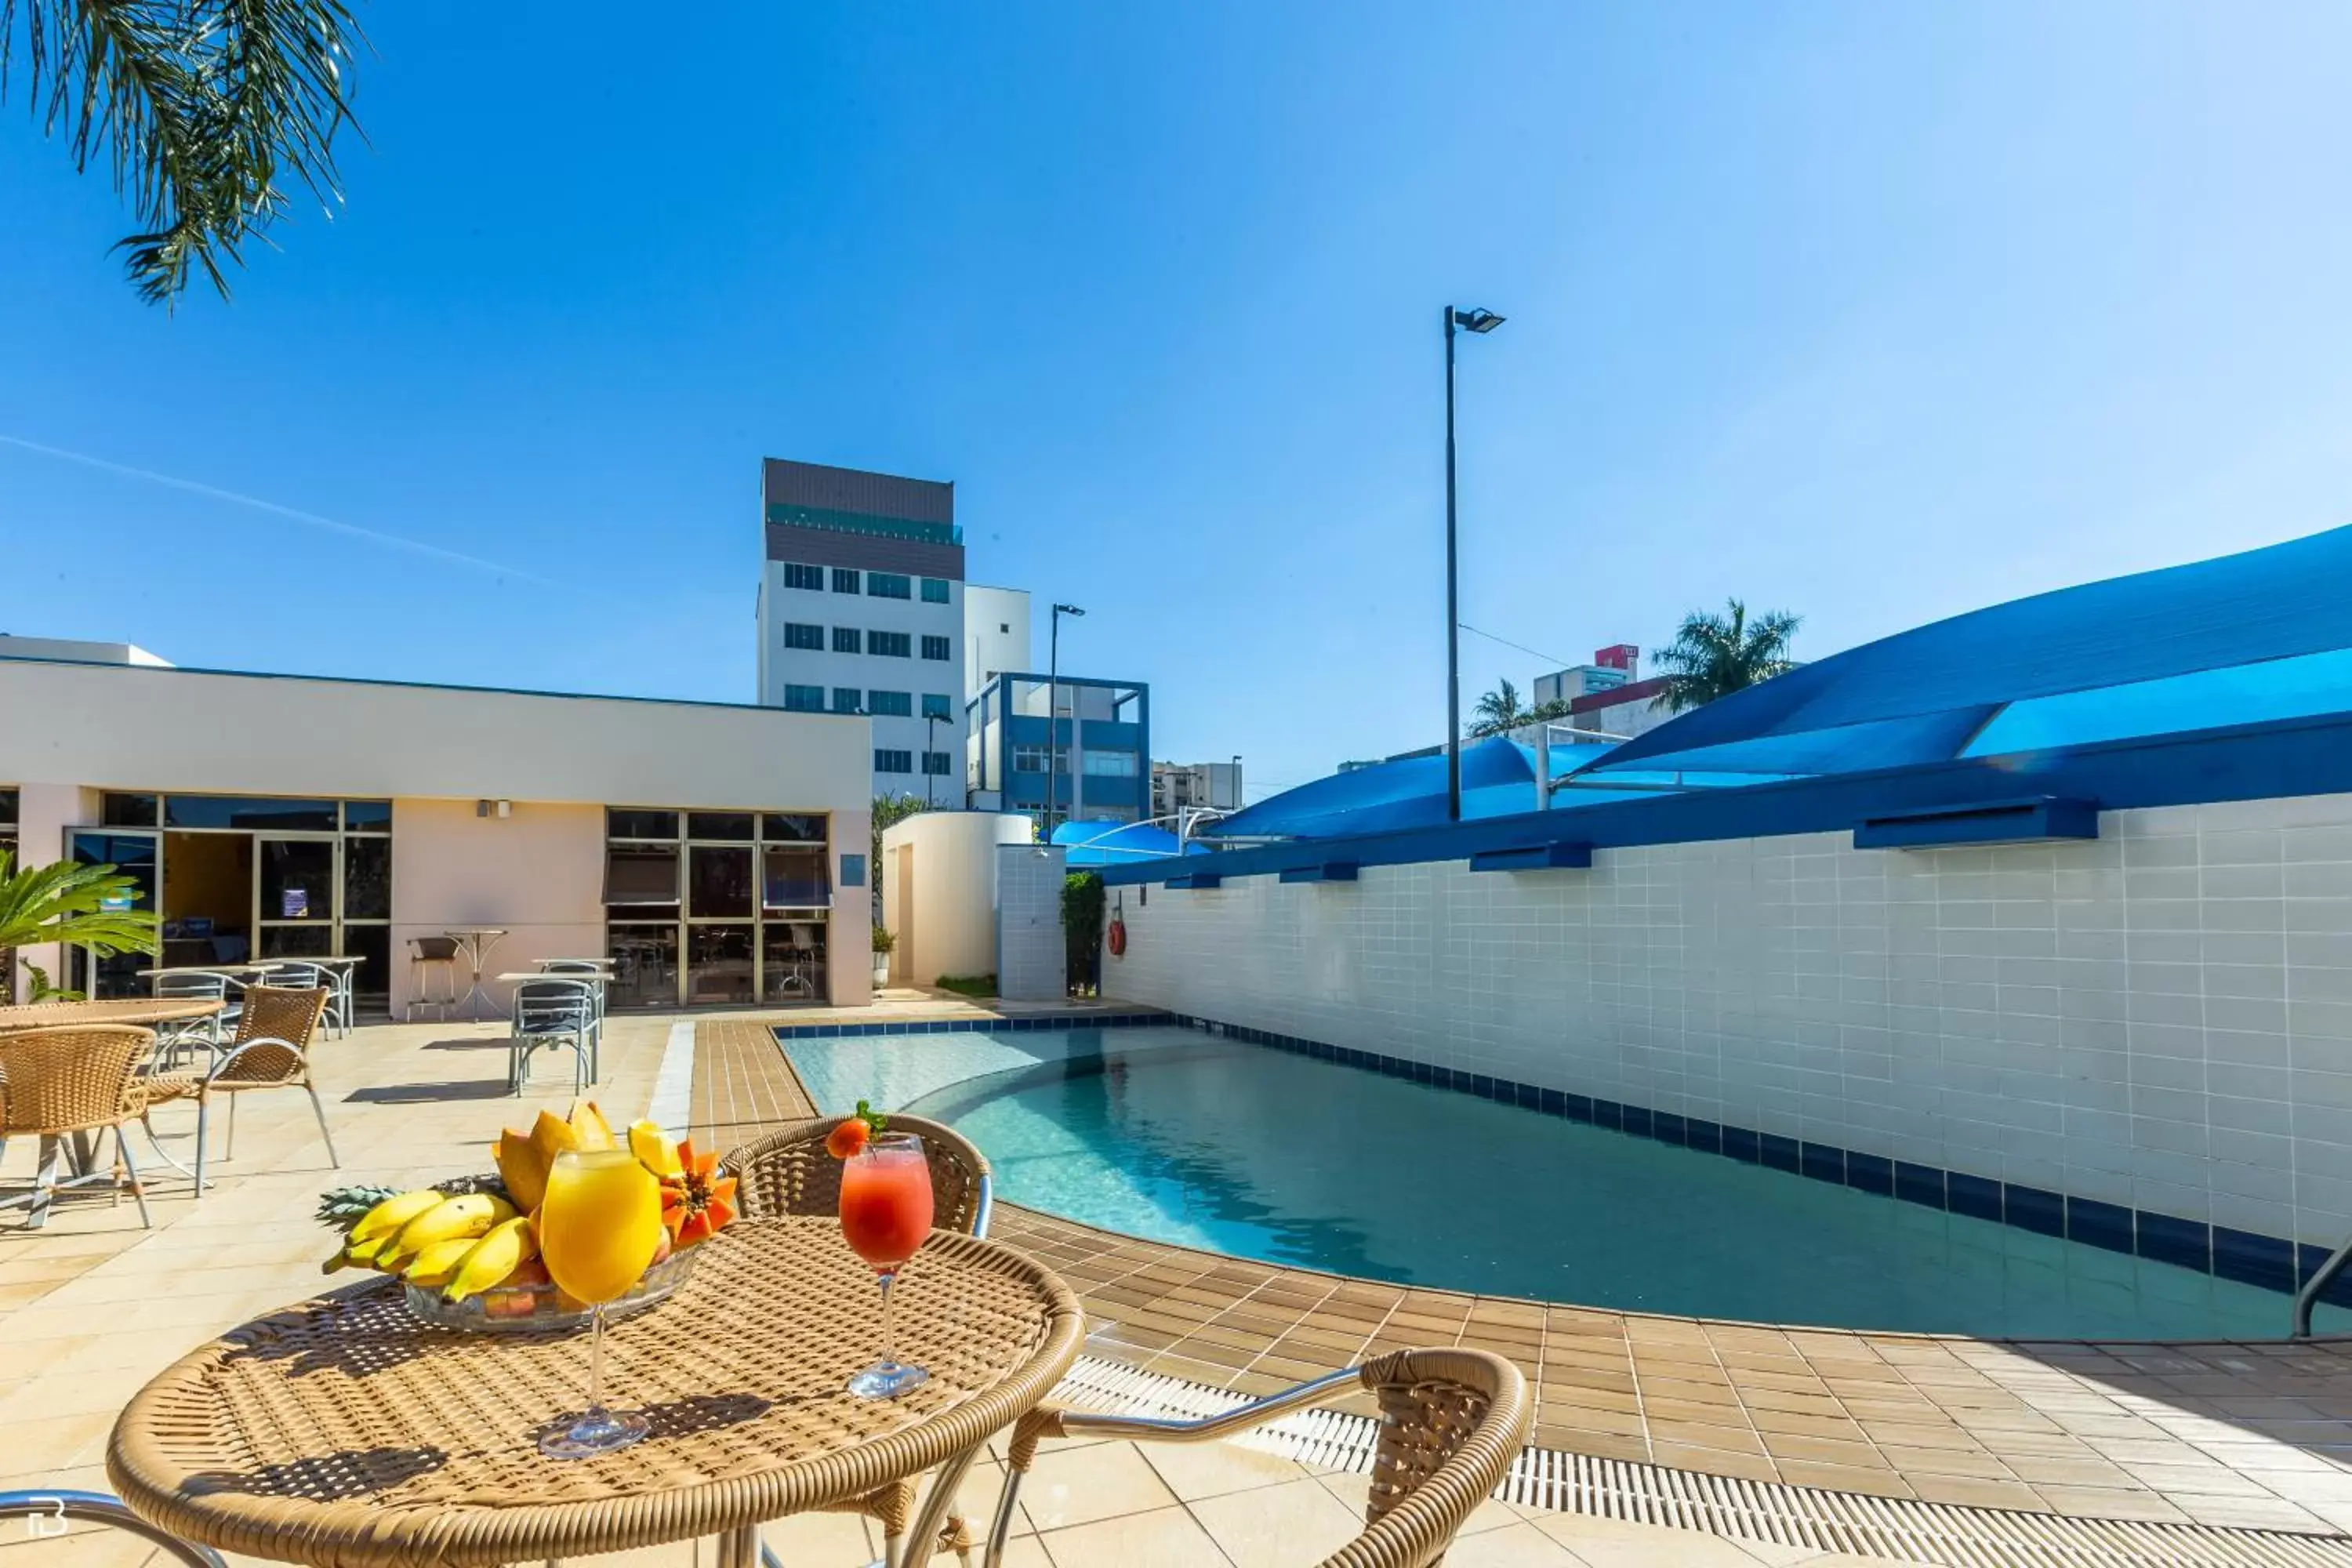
(995, 635)
(862, 611)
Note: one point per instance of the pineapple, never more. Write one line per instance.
(341, 1208)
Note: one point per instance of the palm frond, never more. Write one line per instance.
(66, 901)
(203, 111)
(1714, 655)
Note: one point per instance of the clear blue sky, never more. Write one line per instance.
(1877, 313)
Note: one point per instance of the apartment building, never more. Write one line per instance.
(861, 611)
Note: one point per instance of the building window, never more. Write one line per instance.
(844, 580)
(684, 912)
(891, 704)
(936, 706)
(804, 699)
(887, 760)
(800, 634)
(890, 645)
(8, 823)
(937, 764)
(1032, 759)
(848, 699)
(889, 585)
(1110, 765)
(799, 576)
(845, 639)
(939, 647)
(935, 590)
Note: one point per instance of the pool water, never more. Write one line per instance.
(1175, 1136)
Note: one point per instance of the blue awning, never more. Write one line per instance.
(2253, 637)
(1497, 780)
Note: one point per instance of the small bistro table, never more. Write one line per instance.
(344, 1433)
(140, 1010)
(474, 944)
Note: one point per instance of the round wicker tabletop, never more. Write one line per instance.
(128, 1010)
(345, 1432)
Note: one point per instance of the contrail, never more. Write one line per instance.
(372, 536)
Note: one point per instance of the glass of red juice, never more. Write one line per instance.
(885, 1214)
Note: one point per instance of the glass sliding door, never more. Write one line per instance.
(138, 856)
(294, 895)
(715, 907)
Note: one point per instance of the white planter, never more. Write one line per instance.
(881, 970)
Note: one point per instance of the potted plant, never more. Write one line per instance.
(883, 943)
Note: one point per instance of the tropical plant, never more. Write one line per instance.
(1553, 712)
(889, 811)
(66, 901)
(1082, 929)
(204, 110)
(884, 941)
(1714, 655)
(1498, 710)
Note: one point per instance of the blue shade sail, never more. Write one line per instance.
(1497, 780)
(2070, 668)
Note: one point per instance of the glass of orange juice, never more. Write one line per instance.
(598, 1227)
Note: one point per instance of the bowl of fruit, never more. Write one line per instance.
(466, 1251)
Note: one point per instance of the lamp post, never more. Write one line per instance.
(930, 746)
(1054, 712)
(1481, 322)
(1238, 783)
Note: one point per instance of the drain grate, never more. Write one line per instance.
(1743, 1511)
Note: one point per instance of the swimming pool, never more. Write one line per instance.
(1176, 1136)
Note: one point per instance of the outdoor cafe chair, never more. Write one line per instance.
(554, 1013)
(293, 975)
(270, 1050)
(1452, 1424)
(558, 966)
(789, 1172)
(66, 1082)
(428, 956)
(174, 1040)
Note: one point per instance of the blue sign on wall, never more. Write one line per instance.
(852, 870)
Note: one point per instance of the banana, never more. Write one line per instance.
(507, 1247)
(388, 1217)
(460, 1219)
(433, 1267)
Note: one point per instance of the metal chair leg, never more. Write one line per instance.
(138, 1187)
(44, 1181)
(204, 1122)
(229, 1153)
(1001, 1529)
(320, 1111)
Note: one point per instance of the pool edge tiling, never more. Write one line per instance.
(2232, 1435)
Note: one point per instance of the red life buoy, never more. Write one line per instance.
(1118, 938)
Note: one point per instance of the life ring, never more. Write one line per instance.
(1118, 938)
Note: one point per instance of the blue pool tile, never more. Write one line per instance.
(1530, 1097)
(2168, 1239)
(1740, 1144)
(1608, 1113)
(2099, 1225)
(2034, 1209)
(1919, 1184)
(1579, 1108)
(1780, 1153)
(2252, 1259)
(1822, 1163)
(1703, 1136)
(1972, 1195)
(1870, 1173)
(1553, 1103)
(1634, 1119)
(1667, 1128)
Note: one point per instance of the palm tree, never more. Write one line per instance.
(1498, 710)
(66, 901)
(204, 110)
(1714, 655)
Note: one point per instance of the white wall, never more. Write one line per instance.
(938, 891)
(537, 873)
(995, 634)
(118, 727)
(2161, 1018)
(1032, 954)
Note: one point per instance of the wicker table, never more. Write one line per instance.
(128, 1010)
(344, 1433)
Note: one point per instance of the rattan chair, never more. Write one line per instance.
(1452, 1424)
(59, 1083)
(789, 1173)
(271, 1050)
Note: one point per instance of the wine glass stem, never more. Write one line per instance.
(886, 1276)
(596, 1359)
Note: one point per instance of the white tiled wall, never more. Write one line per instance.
(2160, 1018)
(1032, 953)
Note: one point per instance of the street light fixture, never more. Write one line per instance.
(1054, 712)
(1237, 782)
(1481, 323)
(930, 749)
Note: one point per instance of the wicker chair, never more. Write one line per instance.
(1452, 1424)
(270, 1051)
(789, 1173)
(57, 1083)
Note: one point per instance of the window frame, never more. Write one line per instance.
(941, 649)
(804, 637)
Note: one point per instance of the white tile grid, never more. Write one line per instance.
(2161, 1017)
(1032, 953)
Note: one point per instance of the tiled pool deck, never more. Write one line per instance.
(2249, 1435)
